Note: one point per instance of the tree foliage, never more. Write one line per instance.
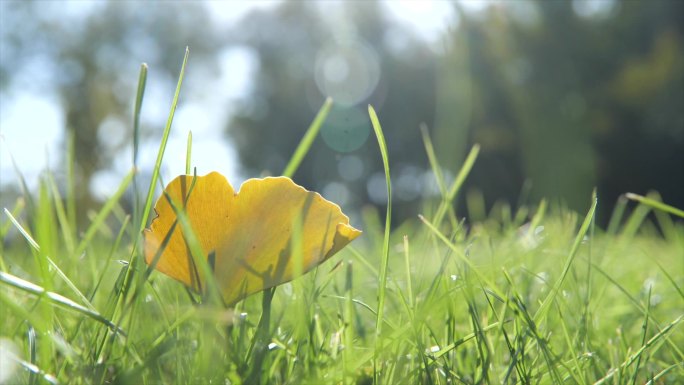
(559, 94)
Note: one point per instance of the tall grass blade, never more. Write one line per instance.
(307, 139)
(407, 265)
(348, 315)
(432, 158)
(544, 308)
(671, 279)
(537, 218)
(196, 252)
(57, 299)
(64, 224)
(644, 334)
(464, 258)
(108, 260)
(453, 345)
(386, 240)
(51, 263)
(6, 226)
(636, 355)
(656, 379)
(71, 180)
(139, 96)
(617, 215)
(635, 220)
(188, 154)
(22, 230)
(16, 211)
(136, 264)
(104, 212)
(35, 371)
(30, 204)
(447, 200)
(655, 204)
(162, 145)
(257, 351)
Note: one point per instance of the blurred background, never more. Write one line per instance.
(562, 95)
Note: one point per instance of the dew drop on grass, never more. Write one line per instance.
(542, 277)
(648, 285)
(656, 299)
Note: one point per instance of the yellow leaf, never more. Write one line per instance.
(248, 233)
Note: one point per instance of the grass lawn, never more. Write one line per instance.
(531, 294)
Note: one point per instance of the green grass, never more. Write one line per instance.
(531, 294)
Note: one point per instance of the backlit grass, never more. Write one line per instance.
(530, 294)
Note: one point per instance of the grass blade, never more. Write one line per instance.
(162, 145)
(104, 212)
(30, 205)
(142, 80)
(388, 220)
(544, 308)
(461, 255)
(636, 355)
(188, 154)
(307, 140)
(262, 333)
(656, 204)
(135, 263)
(58, 299)
(52, 264)
(71, 180)
(432, 158)
(448, 200)
(64, 224)
(407, 264)
(617, 215)
(22, 230)
(139, 96)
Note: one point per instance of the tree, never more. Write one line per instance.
(93, 55)
(376, 63)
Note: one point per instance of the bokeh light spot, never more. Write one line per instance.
(346, 129)
(336, 192)
(350, 168)
(409, 183)
(377, 188)
(348, 71)
(596, 9)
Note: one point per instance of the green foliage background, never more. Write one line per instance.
(560, 100)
